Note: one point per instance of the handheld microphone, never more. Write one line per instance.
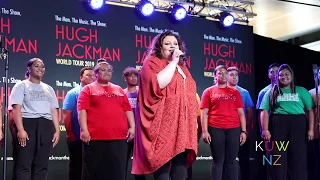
(182, 57)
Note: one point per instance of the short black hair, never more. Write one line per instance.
(130, 70)
(232, 68)
(85, 69)
(101, 60)
(97, 66)
(273, 65)
(218, 67)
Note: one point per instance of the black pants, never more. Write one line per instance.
(129, 155)
(293, 160)
(104, 160)
(13, 153)
(176, 169)
(258, 169)
(243, 163)
(75, 163)
(189, 172)
(224, 149)
(31, 161)
(244, 155)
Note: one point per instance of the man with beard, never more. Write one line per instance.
(70, 115)
(130, 75)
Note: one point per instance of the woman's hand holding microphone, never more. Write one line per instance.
(176, 55)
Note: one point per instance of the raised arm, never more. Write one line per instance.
(165, 76)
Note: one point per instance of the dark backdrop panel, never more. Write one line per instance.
(68, 38)
(268, 51)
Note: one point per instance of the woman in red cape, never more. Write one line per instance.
(166, 135)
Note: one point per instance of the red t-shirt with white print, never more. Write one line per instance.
(106, 107)
(222, 104)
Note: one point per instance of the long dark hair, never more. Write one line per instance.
(155, 47)
(275, 90)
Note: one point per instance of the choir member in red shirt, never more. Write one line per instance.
(104, 112)
(223, 121)
(166, 140)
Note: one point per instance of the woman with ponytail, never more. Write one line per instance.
(35, 129)
(287, 127)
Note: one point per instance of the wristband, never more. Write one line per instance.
(244, 132)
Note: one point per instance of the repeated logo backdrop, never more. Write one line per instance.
(67, 38)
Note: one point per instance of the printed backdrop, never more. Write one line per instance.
(67, 38)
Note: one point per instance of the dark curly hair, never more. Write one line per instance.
(155, 47)
(130, 70)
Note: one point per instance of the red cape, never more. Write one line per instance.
(168, 118)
